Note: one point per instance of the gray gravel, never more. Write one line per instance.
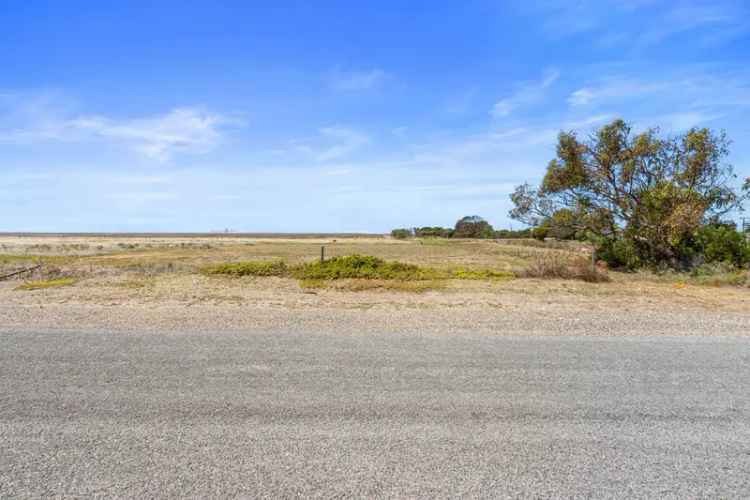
(281, 414)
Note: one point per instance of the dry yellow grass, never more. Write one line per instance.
(189, 254)
(167, 268)
(44, 284)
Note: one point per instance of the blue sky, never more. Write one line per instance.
(336, 116)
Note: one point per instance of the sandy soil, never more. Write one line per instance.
(127, 284)
(181, 302)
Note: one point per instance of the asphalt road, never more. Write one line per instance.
(282, 415)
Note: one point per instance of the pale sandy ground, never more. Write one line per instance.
(149, 283)
(518, 307)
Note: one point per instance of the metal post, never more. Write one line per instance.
(593, 259)
(322, 254)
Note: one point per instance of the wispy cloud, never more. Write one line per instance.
(640, 24)
(350, 81)
(703, 90)
(614, 89)
(183, 130)
(34, 119)
(527, 93)
(331, 143)
(345, 141)
(680, 121)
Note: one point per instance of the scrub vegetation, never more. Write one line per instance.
(42, 284)
(642, 200)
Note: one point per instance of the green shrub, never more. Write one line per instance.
(618, 254)
(719, 274)
(507, 234)
(249, 268)
(473, 226)
(361, 266)
(540, 232)
(401, 234)
(433, 232)
(720, 243)
(479, 274)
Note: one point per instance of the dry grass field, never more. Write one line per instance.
(144, 273)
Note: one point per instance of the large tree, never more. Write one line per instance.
(647, 189)
(473, 226)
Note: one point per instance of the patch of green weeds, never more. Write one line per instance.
(44, 284)
(362, 267)
(249, 268)
(480, 274)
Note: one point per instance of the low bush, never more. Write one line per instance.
(720, 243)
(360, 285)
(361, 266)
(618, 254)
(401, 234)
(433, 232)
(480, 274)
(540, 233)
(249, 268)
(354, 269)
(720, 274)
(555, 266)
(473, 226)
(507, 234)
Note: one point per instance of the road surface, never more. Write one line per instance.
(391, 415)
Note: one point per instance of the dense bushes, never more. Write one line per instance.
(721, 243)
(473, 226)
(711, 243)
(508, 234)
(644, 199)
(351, 266)
(361, 266)
(433, 232)
(402, 234)
(618, 253)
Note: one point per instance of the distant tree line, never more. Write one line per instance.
(471, 226)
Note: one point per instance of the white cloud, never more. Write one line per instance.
(614, 89)
(344, 141)
(180, 130)
(640, 24)
(33, 119)
(681, 121)
(527, 93)
(702, 91)
(357, 80)
(587, 122)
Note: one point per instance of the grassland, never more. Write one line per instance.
(414, 273)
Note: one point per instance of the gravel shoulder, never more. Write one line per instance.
(517, 307)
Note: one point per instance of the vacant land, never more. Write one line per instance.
(160, 281)
(190, 366)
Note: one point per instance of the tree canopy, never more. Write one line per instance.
(473, 226)
(649, 190)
